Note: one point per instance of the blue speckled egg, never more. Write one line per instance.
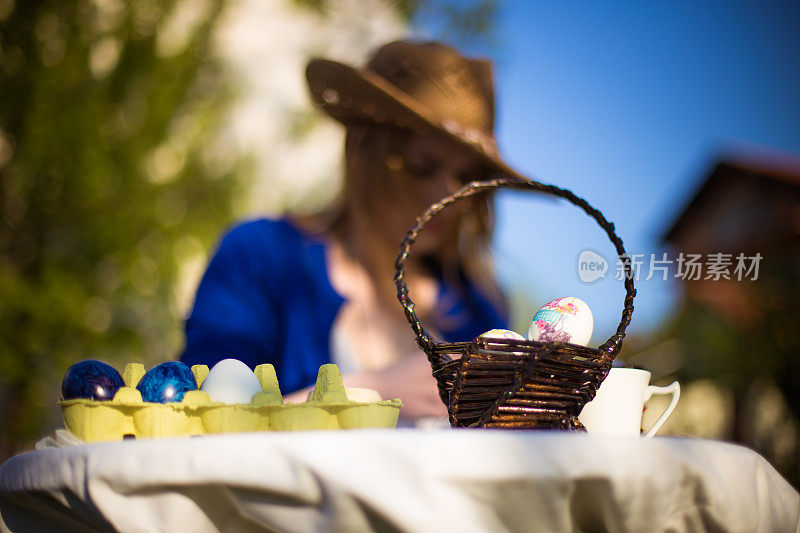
(167, 382)
(91, 380)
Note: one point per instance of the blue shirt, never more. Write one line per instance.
(266, 298)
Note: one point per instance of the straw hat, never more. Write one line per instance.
(428, 88)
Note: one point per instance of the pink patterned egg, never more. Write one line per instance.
(562, 320)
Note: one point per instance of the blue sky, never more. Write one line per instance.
(628, 104)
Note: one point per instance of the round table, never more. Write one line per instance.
(406, 480)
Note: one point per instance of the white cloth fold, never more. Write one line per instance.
(406, 480)
(59, 439)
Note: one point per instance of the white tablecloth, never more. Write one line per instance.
(409, 480)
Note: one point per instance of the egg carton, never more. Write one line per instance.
(127, 416)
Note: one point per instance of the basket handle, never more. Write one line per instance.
(425, 340)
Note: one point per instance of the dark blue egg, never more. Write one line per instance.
(90, 379)
(167, 382)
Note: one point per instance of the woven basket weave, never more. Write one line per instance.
(504, 383)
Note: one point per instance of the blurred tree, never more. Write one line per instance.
(750, 354)
(762, 348)
(114, 175)
(107, 182)
(465, 24)
(740, 329)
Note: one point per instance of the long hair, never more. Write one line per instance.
(374, 184)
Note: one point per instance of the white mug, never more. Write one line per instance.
(618, 406)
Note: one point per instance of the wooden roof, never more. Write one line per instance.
(779, 169)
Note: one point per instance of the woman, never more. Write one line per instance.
(301, 293)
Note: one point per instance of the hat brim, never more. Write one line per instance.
(358, 96)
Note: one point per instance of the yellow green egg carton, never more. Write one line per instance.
(127, 416)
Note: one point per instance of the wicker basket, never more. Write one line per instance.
(500, 383)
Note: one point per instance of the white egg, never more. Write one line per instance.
(503, 334)
(564, 319)
(231, 381)
(358, 394)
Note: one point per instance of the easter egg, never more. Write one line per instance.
(562, 320)
(91, 380)
(362, 395)
(167, 382)
(503, 334)
(231, 381)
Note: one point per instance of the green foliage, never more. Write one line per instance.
(113, 178)
(741, 349)
(469, 25)
(761, 341)
(465, 24)
(108, 183)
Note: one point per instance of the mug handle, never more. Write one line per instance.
(673, 388)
